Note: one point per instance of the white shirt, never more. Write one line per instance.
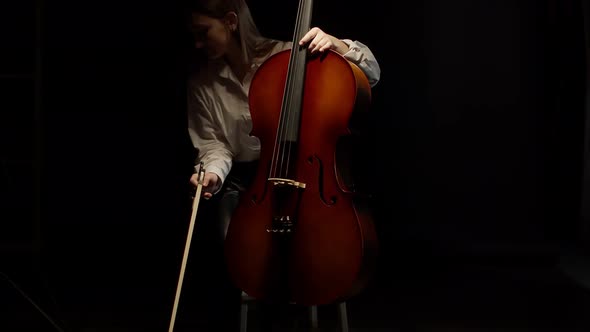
(219, 121)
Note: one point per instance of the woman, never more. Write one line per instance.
(218, 115)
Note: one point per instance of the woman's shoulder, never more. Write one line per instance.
(203, 76)
(270, 47)
(199, 84)
(196, 80)
(279, 45)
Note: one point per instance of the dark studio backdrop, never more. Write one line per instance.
(473, 150)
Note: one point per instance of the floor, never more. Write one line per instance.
(421, 296)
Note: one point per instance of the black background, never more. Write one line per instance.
(473, 149)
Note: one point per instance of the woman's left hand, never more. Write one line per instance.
(321, 41)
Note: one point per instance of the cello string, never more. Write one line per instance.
(290, 115)
(286, 109)
(296, 83)
(281, 126)
(294, 70)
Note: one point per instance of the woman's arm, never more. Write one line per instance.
(208, 140)
(354, 51)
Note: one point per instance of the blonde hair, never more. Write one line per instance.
(251, 41)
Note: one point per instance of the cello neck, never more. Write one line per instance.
(290, 115)
(292, 98)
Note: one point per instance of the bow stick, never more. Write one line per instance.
(196, 199)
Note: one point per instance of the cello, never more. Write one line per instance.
(299, 233)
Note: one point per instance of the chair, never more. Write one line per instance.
(313, 314)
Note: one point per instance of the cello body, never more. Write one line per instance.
(299, 233)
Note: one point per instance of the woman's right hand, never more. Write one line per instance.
(211, 183)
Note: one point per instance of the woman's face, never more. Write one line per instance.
(213, 35)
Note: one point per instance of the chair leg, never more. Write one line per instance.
(244, 317)
(343, 316)
(313, 316)
(244, 312)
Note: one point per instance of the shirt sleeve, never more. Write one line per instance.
(206, 137)
(361, 55)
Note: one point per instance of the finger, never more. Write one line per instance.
(312, 33)
(194, 181)
(207, 195)
(326, 46)
(312, 45)
(320, 45)
(319, 39)
(308, 36)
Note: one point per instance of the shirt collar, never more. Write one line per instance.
(224, 70)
